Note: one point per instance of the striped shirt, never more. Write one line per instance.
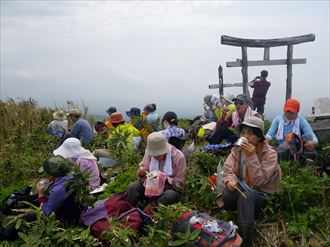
(173, 130)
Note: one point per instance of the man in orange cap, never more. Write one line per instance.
(289, 125)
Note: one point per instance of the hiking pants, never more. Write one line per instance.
(260, 108)
(135, 194)
(246, 210)
(222, 133)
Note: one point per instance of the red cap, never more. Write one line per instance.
(291, 105)
(116, 118)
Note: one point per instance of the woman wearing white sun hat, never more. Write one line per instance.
(71, 148)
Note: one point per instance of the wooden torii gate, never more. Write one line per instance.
(266, 44)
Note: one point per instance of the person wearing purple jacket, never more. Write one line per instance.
(56, 198)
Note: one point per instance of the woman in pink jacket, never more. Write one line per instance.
(163, 157)
(251, 172)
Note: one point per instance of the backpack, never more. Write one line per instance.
(16, 200)
(213, 233)
(115, 207)
(291, 148)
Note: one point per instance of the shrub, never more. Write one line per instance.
(206, 162)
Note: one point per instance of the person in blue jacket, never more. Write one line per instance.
(289, 126)
(81, 128)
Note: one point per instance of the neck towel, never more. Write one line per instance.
(168, 170)
(284, 122)
(236, 119)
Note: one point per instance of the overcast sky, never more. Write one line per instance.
(123, 54)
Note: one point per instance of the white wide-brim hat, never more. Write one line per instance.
(71, 148)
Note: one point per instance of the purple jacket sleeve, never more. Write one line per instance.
(55, 199)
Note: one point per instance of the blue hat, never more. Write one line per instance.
(134, 111)
(241, 97)
(111, 110)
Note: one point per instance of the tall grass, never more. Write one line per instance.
(24, 143)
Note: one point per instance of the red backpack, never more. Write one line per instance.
(115, 207)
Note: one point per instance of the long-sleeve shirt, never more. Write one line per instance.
(173, 130)
(152, 117)
(56, 196)
(264, 170)
(81, 129)
(57, 128)
(90, 166)
(304, 126)
(178, 167)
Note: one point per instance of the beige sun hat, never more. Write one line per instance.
(255, 122)
(59, 115)
(74, 112)
(157, 144)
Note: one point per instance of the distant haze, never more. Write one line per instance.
(131, 53)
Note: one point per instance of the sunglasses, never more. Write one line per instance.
(239, 103)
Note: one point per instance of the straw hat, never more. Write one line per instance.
(59, 115)
(74, 112)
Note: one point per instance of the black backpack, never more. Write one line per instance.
(16, 200)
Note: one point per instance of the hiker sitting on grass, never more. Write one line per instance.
(72, 149)
(150, 113)
(81, 128)
(120, 125)
(228, 121)
(250, 173)
(170, 124)
(289, 126)
(135, 117)
(55, 198)
(108, 121)
(211, 108)
(164, 162)
(59, 126)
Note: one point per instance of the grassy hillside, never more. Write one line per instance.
(298, 215)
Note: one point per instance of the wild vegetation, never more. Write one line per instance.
(298, 215)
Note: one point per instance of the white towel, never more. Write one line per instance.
(154, 164)
(283, 122)
(235, 117)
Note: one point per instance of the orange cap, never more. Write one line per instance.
(291, 105)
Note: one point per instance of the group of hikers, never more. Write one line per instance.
(250, 172)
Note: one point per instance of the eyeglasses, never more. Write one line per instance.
(239, 103)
